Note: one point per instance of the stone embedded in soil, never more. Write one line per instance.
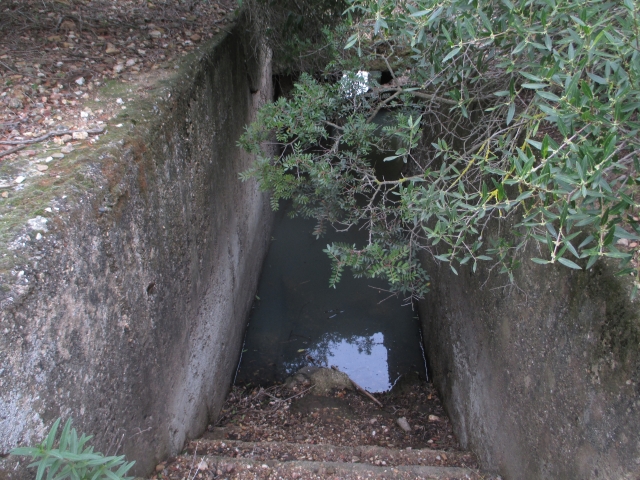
(324, 380)
(80, 135)
(403, 424)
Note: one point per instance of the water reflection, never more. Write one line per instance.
(364, 359)
(298, 320)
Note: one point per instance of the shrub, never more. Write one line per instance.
(529, 109)
(71, 459)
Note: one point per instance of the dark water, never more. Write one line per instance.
(298, 320)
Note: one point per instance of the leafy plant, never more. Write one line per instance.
(71, 459)
(526, 109)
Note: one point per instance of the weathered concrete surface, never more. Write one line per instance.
(541, 381)
(129, 315)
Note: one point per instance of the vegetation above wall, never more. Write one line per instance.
(530, 110)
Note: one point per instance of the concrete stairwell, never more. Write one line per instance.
(313, 431)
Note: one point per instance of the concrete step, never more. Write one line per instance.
(373, 455)
(245, 468)
(232, 459)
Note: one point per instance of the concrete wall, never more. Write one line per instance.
(541, 380)
(130, 316)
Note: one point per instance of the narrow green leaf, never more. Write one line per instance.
(511, 112)
(451, 54)
(547, 95)
(568, 263)
(540, 261)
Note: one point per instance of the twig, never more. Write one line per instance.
(8, 67)
(50, 134)
(282, 401)
(193, 461)
(359, 388)
(11, 150)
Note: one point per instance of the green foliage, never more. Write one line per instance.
(527, 108)
(295, 30)
(71, 459)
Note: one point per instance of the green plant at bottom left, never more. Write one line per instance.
(71, 458)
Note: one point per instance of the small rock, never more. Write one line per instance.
(80, 135)
(131, 62)
(19, 179)
(195, 37)
(68, 149)
(84, 114)
(623, 241)
(5, 194)
(438, 458)
(118, 68)
(57, 155)
(119, 101)
(42, 168)
(403, 424)
(111, 49)
(355, 459)
(434, 418)
(67, 25)
(15, 103)
(66, 138)
(155, 34)
(38, 236)
(39, 224)
(80, 81)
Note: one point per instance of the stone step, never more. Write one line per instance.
(372, 455)
(246, 468)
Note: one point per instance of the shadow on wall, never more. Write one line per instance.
(541, 380)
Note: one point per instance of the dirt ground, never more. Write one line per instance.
(55, 55)
(344, 418)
